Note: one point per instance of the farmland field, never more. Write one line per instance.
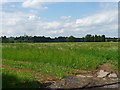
(25, 63)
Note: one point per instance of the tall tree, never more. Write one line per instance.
(99, 38)
(92, 38)
(103, 38)
(96, 38)
(88, 38)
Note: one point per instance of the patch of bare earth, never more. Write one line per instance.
(107, 67)
(43, 78)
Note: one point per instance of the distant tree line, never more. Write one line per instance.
(90, 38)
(37, 39)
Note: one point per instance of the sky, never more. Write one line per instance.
(54, 19)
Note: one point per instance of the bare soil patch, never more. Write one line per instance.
(107, 67)
(43, 78)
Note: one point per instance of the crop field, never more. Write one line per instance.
(30, 64)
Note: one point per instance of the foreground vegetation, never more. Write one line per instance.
(56, 59)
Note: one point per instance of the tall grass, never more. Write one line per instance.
(75, 55)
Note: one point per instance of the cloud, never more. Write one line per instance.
(33, 4)
(18, 23)
(98, 19)
(52, 32)
(61, 31)
(65, 17)
(99, 23)
(56, 31)
(3, 1)
(52, 25)
(33, 17)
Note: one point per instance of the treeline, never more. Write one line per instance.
(90, 38)
(37, 39)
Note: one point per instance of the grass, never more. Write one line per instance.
(59, 59)
(13, 79)
(48, 69)
(75, 55)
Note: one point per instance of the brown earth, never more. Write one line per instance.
(107, 67)
(43, 78)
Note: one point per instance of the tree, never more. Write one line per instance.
(5, 39)
(99, 38)
(70, 39)
(103, 38)
(88, 38)
(96, 38)
(92, 38)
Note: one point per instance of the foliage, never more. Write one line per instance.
(90, 38)
(70, 39)
(37, 39)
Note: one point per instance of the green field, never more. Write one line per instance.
(26, 63)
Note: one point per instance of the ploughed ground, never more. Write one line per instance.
(103, 77)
